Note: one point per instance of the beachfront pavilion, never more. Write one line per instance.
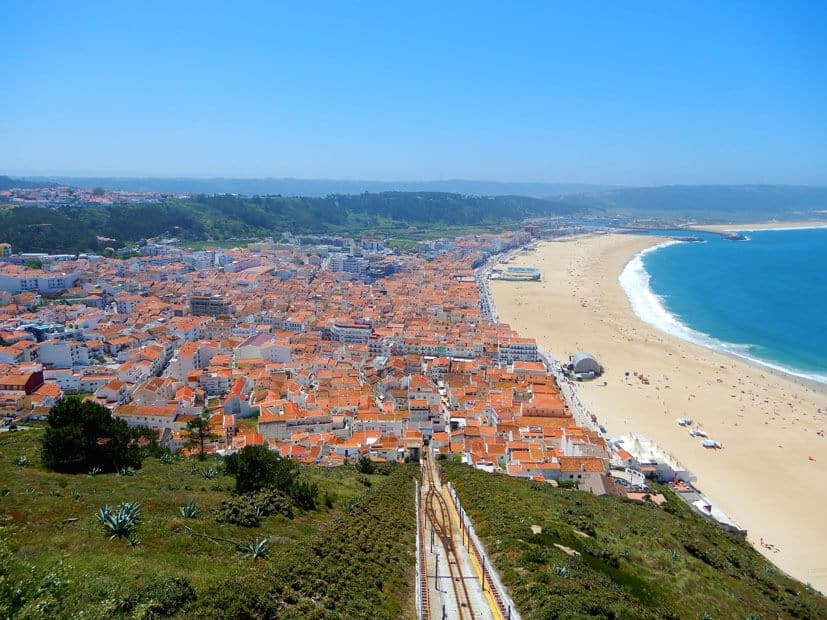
(584, 363)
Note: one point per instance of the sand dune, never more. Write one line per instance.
(768, 423)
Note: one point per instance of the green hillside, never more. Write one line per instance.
(351, 557)
(617, 558)
(219, 217)
(709, 203)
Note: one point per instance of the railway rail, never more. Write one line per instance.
(471, 602)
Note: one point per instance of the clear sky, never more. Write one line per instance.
(632, 93)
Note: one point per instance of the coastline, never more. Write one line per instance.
(766, 420)
(635, 282)
(720, 228)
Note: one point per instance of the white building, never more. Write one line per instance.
(651, 459)
(513, 349)
(36, 280)
(63, 354)
(352, 333)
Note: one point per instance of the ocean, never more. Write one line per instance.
(763, 299)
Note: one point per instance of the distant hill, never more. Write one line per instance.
(730, 202)
(321, 187)
(389, 214)
(218, 217)
(9, 183)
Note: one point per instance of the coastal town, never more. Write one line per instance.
(325, 350)
(374, 311)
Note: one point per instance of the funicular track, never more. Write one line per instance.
(438, 515)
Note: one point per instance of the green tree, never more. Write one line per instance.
(34, 263)
(256, 468)
(199, 430)
(98, 191)
(82, 435)
(365, 466)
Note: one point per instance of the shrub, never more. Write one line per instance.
(384, 469)
(272, 502)
(163, 596)
(247, 510)
(365, 466)
(304, 494)
(256, 468)
(237, 511)
(29, 591)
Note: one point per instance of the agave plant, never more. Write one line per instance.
(132, 539)
(128, 471)
(561, 571)
(120, 523)
(166, 458)
(193, 469)
(22, 461)
(256, 550)
(132, 509)
(190, 510)
(210, 473)
(94, 471)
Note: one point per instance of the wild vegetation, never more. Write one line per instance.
(617, 558)
(83, 436)
(218, 217)
(172, 555)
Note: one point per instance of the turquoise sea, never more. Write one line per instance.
(764, 298)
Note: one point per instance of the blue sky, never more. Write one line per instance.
(633, 93)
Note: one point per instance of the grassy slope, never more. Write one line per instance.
(636, 560)
(359, 565)
(39, 503)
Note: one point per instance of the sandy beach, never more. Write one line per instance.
(767, 422)
(762, 226)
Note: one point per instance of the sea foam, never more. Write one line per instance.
(651, 309)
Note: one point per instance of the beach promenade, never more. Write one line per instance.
(769, 476)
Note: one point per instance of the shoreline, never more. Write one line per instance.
(659, 317)
(798, 225)
(765, 419)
